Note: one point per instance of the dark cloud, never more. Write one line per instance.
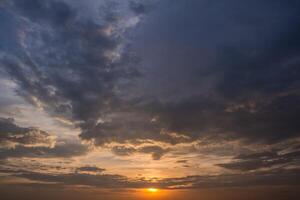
(182, 161)
(228, 68)
(205, 68)
(97, 180)
(65, 64)
(201, 116)
(156, 151)
(275, 177)
(254, 161)
(12, 135)
(55, 12)
(62, 150)
(232, 74)
(89, 169)
(123, 150)
(8, 34)
(16, 142)
(139, 7)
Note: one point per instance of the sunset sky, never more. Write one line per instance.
(149, 99)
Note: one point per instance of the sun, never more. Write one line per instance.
(152, 190)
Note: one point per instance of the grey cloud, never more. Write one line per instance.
(123, 150)
(56, 12)
(200, 116)
(83, 75)
(141, 7)
(182, 161)
(254, 161)
(156, 151)
(66, 64)
(97, 180)
(199, 64)
(232, 75)
(89, 169)
(133, 125)
(275, 177)
(65, 150)
(8, 34)
(227, 69)
(11, 134)
(18, 142)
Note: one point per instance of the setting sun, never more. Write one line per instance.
(153, 190)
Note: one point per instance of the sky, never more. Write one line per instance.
(104, 99)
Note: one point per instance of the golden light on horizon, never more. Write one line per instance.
(152, 193)
(152, 190)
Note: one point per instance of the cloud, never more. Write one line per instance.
(156, 151)
(88, 68)
(12, 135)
(60, 150)
(123, 150)
(202, 116)
(16, 142)
(275, 177)
(96, 180)
(68, 65)
(182, 161)
(207, 77)
(231, 74)
(254, 161)
(177, 79)
(140, 7)
(88, 169)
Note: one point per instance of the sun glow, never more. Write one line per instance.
(152, 190)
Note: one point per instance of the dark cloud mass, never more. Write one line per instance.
(220, 74)
(248, 87)
(224, 67)
(63, 63)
